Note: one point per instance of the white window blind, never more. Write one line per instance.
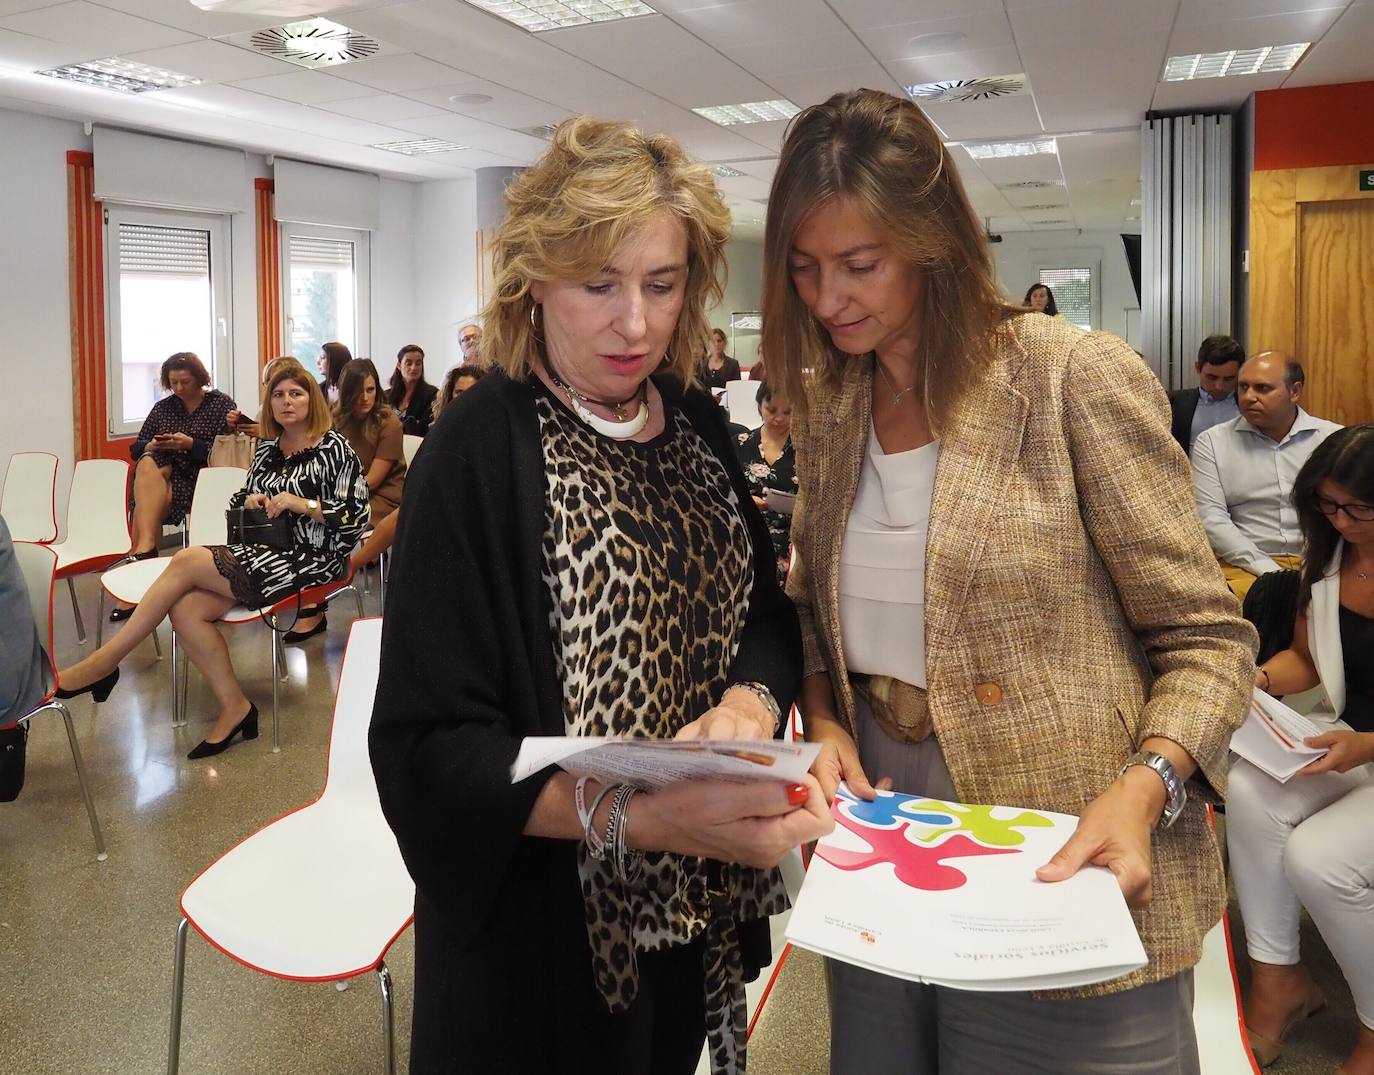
(140, 169)
(315, 194)
(162, 251)
(1073, 293)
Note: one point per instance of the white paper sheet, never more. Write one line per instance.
(946, 893)
(655, 763)
(1271, 739)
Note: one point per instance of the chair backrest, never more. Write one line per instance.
(98, 507)
(38, 564)
(215, 487)
(410, 444)
(29, 500)
(741, 397)
(349, 768)
(1272, 606)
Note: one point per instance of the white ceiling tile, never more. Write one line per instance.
(1343, 55)
(505, 109)
(305, 87)
(1212, 94)
(470, 132)
(759, 169)
(1102, 155)
(345, 129)
(211, 61)
(13, 7)
(798, 55)
(184, 15)
(663, 58)
(1252, 33)
(228, 100)
(1203, 12)
(743, 186)
(384, 108)
(24, 52)
(1093, 63)
(398, 73)
(981, 63)
(898, 42)
(813, 87)
(1000, 117)
(865, 14)
(89, 27)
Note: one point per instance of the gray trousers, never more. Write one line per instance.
(882, 1024)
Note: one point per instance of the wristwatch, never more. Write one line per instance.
(764, 695)
(1173, 785)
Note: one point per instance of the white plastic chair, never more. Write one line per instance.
(38, 565)
(410, 444)
(321, 894)
(741, 398)
(97, 525)
(29, 500)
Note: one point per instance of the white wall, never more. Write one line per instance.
(1019, 253)
(393, 277)
(444, 283)
(743, 288)
(35, 326)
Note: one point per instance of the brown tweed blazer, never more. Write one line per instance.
(1073, 607)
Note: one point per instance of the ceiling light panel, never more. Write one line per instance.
(1233, 62)
(419, 147)
(988, 150)
(315, 43)
(122, 76)
(750, 112)
(726, 172)
(539, 15)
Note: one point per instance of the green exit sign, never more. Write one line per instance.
(1367, 179)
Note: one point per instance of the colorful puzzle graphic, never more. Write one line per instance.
(917, 835)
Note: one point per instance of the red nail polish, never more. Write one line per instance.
(796, 794)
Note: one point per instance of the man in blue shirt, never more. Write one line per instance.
(1213, 401)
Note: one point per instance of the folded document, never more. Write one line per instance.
(1271, 739)
(655, 763)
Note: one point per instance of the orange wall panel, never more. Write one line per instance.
(1314, 126)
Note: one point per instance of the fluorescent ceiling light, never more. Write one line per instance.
(726, 172)
(750, 112)
(537, 15)
(546, 131)
(419, 147)
(122, 76)
(1233, 62)
(986, 150)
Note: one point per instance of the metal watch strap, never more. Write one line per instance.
(764, 695)
(1173, 785)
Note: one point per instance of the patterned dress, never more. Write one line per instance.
(648, 565)
(169, 415)
(330, 473)
(780, 476)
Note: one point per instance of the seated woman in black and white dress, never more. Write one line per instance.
(305, 470)
(770, 465)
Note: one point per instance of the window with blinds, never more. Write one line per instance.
(1074, 294)
(168, 290)
(324, 280)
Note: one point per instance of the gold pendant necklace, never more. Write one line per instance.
(896, 395)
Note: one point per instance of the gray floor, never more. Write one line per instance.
(86, 946)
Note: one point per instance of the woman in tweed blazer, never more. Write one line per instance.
(1073, 614)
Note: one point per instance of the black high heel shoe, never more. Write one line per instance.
(99, 690)
(248, 726)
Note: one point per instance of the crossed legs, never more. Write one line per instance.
(195, 595)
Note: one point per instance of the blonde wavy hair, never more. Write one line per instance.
(566, 216)
(881, 153)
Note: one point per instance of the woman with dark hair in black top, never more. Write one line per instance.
(1309, 842)
(410, 395)
(1041, 299)
(333, 357)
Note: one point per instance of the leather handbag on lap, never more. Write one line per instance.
(251, 526)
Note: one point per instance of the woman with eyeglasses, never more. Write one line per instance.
(1309, 842)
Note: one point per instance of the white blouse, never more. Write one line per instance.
(882, 589)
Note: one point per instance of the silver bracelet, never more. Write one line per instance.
(764, 695)
(596, 847)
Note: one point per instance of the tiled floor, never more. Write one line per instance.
(86, 947)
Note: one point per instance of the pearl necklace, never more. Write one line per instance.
(623, 429)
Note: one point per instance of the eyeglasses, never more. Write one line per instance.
(1356, 512)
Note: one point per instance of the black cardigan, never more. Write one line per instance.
(467, 670)
(1182, 407)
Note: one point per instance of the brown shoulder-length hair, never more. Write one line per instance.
(599, 184)
(352, 381)
(883, 155)
(1346, 457)
(320, 422)
(185, 362)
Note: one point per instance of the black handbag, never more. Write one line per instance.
(251, 526)
(13, 751)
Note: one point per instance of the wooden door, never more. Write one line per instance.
(1335, 309)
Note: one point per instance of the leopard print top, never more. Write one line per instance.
(649, 568)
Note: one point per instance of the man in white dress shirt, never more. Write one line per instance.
(1243, 471)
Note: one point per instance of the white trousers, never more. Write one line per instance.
(1307, 843)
